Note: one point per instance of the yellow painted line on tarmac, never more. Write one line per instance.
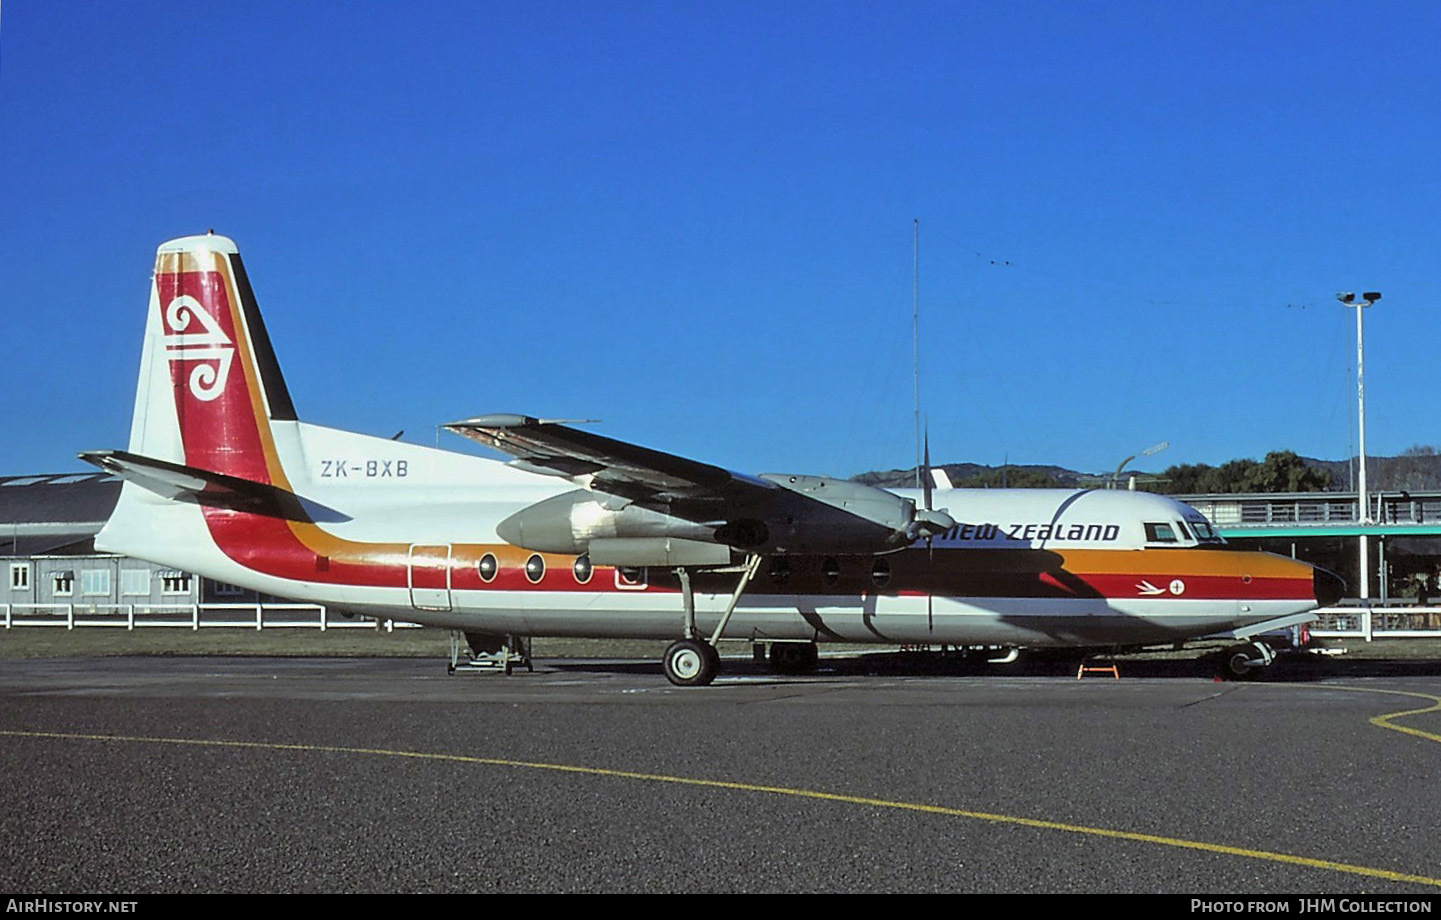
(1244, 852)
(1385, 720)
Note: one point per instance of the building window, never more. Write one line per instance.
(224, 590)
(63, 584)
(94, 582)
(19, 576)
(135, 582)
(174, 583)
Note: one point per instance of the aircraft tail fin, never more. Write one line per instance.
(209, 382)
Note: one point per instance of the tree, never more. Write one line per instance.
(1281, 471)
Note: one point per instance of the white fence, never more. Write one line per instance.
(186, 616)
(1332, 622)
(1377, 623)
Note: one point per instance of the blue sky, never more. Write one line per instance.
(693, 220)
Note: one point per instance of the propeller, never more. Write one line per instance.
(930, 520)
(926, 484)
(927, 488)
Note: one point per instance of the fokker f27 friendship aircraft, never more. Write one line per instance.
(582, 535)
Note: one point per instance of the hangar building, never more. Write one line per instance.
(47, 551)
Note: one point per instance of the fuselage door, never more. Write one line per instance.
(429, 576)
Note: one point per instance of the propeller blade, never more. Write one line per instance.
(926, 473)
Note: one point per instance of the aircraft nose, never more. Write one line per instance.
(1328, 586)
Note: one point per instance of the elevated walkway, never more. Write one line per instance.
(1320, 514)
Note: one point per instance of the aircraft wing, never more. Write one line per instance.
(640, 474)
(773, 512)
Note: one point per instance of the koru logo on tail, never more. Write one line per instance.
(207, 381)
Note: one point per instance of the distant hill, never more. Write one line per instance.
(976, 475)
(1416, 470)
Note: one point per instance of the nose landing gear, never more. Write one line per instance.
(1245, 662)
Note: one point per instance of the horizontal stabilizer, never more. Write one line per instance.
(203, 487)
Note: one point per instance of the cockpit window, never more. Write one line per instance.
(1181, 526)
(1205, 532)
(1160, 533)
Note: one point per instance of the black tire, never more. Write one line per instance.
(691, 663)
(1235, 663)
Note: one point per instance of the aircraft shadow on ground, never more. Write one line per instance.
(1288, 667)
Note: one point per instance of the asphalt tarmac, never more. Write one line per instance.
(879, 774)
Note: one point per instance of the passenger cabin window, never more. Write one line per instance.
(488, 567)
(1160, 533)
(582, 569)
(780, 570)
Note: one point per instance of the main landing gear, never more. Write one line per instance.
(692, 661)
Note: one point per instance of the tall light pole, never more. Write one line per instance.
(1153, 449)
(1363, 501)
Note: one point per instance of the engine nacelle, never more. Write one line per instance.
(840, 516)
(568, 523)
(806, 514)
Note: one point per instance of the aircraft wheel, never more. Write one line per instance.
(691, 663)
(794, 657)
(1235, 663)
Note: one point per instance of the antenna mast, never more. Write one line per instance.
(916, 334)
